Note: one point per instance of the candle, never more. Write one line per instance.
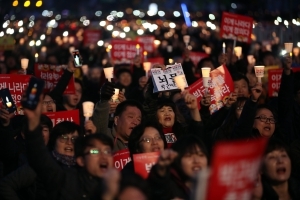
(36, 56)
(24, 64)
(147, 66)
(206, 77)
(259, 72)
(224, 48)
(108, 52)
(145, 55)
(137, 49)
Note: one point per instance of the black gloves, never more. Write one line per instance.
(107, 90)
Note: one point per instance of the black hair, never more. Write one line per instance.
(135, 181)
(83, 142)
(187, 144)
(121, 71)
(62, 128)
(44, 121)
(202, 61)
(123, 106)
(76, 80)
(239, 76)
(264, 106)
(138, 131)
(276, 144)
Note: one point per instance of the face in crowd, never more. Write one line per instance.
(73, 100)
(241, 87)
(65, 143)
(48, 104)
(125, 79)
(264, 122)
(166, 116)
(150, 141)
(127, 120)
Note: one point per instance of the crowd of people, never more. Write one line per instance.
(71, 161)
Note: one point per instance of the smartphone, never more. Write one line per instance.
(77, 58)
(7, 100)
(32, 96)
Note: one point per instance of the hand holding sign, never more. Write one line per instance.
(256, 92)
(231, 100)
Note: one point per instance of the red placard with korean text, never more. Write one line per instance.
(91, 37)
(274, 81)
(147, 41)
(156, 60)
(51, 75)
(220, 88)
(57, 117)
(121, 158)
(123, 51)
(16, 84)
(143, 163)
(197, 56)
(237, 27)
(235, 167)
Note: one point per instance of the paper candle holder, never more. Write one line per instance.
(88, 109)
(109, 73)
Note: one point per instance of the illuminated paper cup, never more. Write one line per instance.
(24, 63)
(116, 95)
(238, 51)
(288, 47)
(88, 109)
(180, 81)
(296, 51)
(251, 59)
(109, 73)
(205, 71)
(147, 67)
(186, 39)
(259, 72)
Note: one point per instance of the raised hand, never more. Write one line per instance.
(5, 116)
(190, 100)
(90, 127)
(231, 100)
(34, 116)
(121, 97)
(107, 90)
(256, 91)
(166, 158)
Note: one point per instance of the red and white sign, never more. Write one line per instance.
(148, 42)
(143, 163)
(121, 158)
(197, 56)
(156, 60)
(220, 88)
(235, 167)
(274, 81)
(16, 85)
(51, 75)
(123, 51)
(57, 117)
(91, 37)
(237, 27)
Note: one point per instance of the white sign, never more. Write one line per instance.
(163, 80)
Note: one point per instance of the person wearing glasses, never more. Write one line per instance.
(144, 138)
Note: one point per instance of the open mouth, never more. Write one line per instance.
(196, 168)
(103, 166)
(167, 118)
(155, 149)
(267, 128)
(69, 149)
(281, 170)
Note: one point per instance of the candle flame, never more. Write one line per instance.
(109, 47)
(224, 44)
(107, 50)
(137, 46)
(36, 55)
(145, 53)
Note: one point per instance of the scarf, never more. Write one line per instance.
(66, 160)
(170, 136)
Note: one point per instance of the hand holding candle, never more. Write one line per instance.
(259, 72)
(224, 48)
(36, 56)
(88, 109)
(145, 56)
(137, 49)
(238, 51)
(115, 96)
(109, 73)
(206, 77)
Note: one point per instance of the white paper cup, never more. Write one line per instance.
(238, 51)
(24, 63)
(180, 82)
(186, 39)
(147, 67)
(116, 95)
(288, 47)
(88, 109)
(259, 72)
(205, 71)
(109, 73)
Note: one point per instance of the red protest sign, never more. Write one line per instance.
(274, 81)
(143, 163)
(16, 85)
(148, 42)
(197, 56)
(57, 117)
(235, 168)
(220, 88)
(121, 158)
(51, 75)
(237, 27)
(156, 60)
(123, 51)
(91, 37)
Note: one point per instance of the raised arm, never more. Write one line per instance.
(37, 153)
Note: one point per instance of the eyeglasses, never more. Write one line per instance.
(266, 119)
(148, 140)
(95, 152)
(65, 139)
(48, 102)
(240, 108)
